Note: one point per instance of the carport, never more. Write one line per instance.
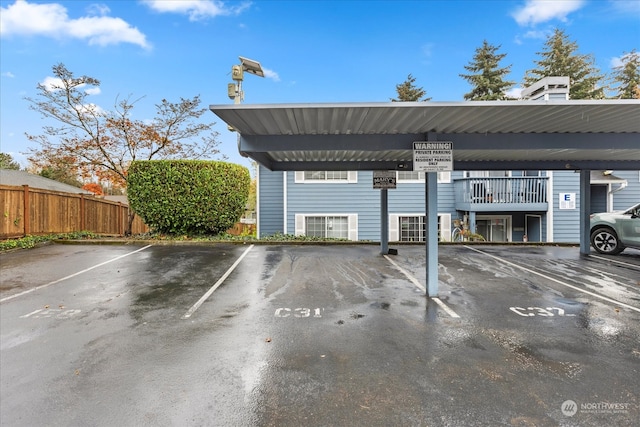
(486, 135)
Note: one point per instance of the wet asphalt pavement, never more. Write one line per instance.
(318, 336)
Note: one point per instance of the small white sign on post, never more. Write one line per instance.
(433, 156)
(384, 180)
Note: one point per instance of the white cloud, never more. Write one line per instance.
(196, 9)
(54, 83)
(515, 92)
(51, 20)
(627, 7)
(51, 83)
(538, 11)
(8, 74)
(93, 91)
(270, 74)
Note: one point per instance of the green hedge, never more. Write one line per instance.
(188, 196)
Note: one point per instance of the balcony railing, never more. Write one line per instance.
(501, 194)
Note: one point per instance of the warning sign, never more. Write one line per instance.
(433, 156)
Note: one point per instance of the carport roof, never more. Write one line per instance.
(594, 134)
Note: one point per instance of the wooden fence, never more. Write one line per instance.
(35, 211)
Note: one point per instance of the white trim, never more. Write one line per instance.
(299, 224)
(258, 201)
(394, 230)
(445, 227)
(284, 203)
(550, 199)
(352, 227)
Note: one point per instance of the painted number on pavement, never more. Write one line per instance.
(299, 312)
(51, 312)
(537, 311)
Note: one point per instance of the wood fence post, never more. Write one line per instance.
(82, 212)
(120, 213)
(26, 207)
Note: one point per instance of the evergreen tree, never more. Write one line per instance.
(560, 58)
(627, 76)
(487, 77)
(408, 92)
(7, 162)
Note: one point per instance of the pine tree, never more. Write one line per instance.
(560, 58)
(487, 77)
(408, 92)
(627, 76)
(7, 162)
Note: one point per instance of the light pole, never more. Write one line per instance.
(234, 90)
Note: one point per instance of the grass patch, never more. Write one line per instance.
(29, 241)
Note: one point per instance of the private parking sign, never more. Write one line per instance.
(433, 156)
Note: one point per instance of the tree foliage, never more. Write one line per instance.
(94, 188)
(408, 92)
(7, 162)
(626, 77)
(560, 58)
(188, 197)
(487, 77)
(62, 169)
(104, 143)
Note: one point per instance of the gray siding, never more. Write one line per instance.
(630, 195)
(270, 202)
(566, 222)
(361, 199)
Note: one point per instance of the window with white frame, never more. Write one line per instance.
(337, 226)
(306, 177)
(412, 227)
(418, 176)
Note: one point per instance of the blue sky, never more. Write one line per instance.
(312, 51)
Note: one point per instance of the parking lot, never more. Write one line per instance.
(285, 335)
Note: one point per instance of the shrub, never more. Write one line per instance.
(188, 196)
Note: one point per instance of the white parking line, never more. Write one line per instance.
(28, 291)
(614, 261)
(419, 285)
(528, 270)
(216, 285)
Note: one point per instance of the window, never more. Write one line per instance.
(306, 177)
(417, 176)
(487, 174)
(325, 175)
(412, 227)
(337, 226)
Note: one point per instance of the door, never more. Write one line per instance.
(533, 228)
(494, 228)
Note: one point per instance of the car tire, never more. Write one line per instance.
(605, 241)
